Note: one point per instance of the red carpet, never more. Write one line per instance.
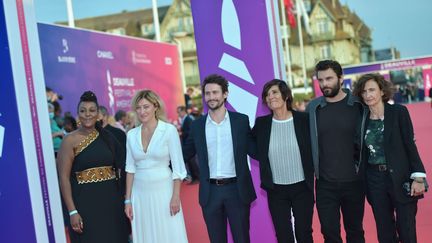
(421, 114)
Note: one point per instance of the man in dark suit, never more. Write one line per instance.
(220, 139)
(120, 137)
(185, 122)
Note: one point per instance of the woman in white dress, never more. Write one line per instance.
(152, 201)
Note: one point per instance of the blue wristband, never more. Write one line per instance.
(127, 201)
(73, 212)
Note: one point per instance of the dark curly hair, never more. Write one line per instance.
(215, 79)
(88, 96)
(326, 64)
(385, 86)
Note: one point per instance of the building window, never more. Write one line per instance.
(308, 6)
(325, 52)
(147, 29)
(323, 26)
(117, 31)
(188, 21)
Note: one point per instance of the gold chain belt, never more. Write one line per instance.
(96, 174)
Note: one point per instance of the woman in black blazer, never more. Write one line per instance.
(391, 160)
(282, 146)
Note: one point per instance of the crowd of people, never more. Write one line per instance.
(121, 179)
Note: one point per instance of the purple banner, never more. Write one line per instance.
(240, 40)
(114, 67)
(15, 201)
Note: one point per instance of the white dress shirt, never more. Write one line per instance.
(220, 148)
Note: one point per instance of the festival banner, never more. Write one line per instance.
(244, 46)
(388, 65)
(112, 66)
(29, 192)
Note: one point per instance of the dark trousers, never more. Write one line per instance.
(394, 221)
(224, 203)
(334, 197)
(300, 199)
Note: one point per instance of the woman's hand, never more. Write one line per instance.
(128, 211)
(174, 205)
(417, 188)
(77, 223)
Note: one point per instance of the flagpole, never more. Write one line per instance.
(156, 20)
(300, 33)
(71, 20)
(286, 42)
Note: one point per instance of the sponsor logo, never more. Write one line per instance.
(391, 65)
(2, 131)
(65, 58)
(123, 93)
(123, 104)
(168, 61)
(104, 54)
(121, 81)
(65, 46)
(140, 58)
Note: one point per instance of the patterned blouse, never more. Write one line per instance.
(374, 140)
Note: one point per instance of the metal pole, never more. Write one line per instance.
(156, 20)
(71, 20)
(180, 51)
(300, 33)
(285, 39)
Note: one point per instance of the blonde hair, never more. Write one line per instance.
(153, 98)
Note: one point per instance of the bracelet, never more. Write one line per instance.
(73, 212)
(127, 201)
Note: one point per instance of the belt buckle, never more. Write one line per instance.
(382, 167)
(219, 182)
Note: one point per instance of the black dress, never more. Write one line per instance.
(99, 203)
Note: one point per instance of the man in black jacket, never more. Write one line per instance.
(120, 137)
(336, 121)
(185, 122)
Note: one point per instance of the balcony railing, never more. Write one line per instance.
(327, 36)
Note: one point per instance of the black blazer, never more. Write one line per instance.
(400, 150)
(261, 134)
(185, 128)
(196, 144)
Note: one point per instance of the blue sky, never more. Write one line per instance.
(403, 24)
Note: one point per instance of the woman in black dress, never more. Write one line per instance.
(87, 167)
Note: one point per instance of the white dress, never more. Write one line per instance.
(152, 186)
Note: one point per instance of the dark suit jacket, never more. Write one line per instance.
(261, 133)
(185, 128)
(400, 149)
(120, 139)
(196, 144)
